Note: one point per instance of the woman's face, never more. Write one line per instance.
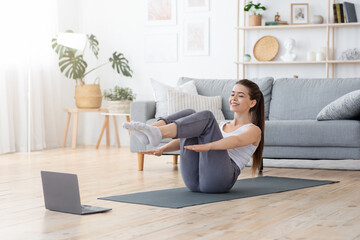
(239, 100)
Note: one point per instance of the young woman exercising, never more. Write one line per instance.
(212, 154)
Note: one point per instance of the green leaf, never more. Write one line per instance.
(256, 7)
(94, 44)
(120, 64)
(72, 66)
(248, 6)
(60, 49)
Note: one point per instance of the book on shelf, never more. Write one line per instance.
(342, 17)
(335, 13)
(338, 14)
(350, 12)
(343, 8)
(276, 23)
(344, 12)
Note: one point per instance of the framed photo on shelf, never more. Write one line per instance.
(196, 5)
(299, 13)
(196, 36)
(160, 12)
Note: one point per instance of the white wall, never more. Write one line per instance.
(119, 26)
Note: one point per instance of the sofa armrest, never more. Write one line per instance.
(140, 111)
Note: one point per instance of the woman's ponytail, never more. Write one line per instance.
(257, 116)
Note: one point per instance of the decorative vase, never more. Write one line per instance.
(119, 106)
(255, 20)
(316, 19)
(311, 56)
(320, 56)
(88, 96)
(246, 58)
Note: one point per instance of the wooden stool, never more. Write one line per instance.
(106, 126)
(75, 122)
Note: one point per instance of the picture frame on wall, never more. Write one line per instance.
(299, 13)
(196, 5)
(160, 12)
(196, 36)
(161, 48)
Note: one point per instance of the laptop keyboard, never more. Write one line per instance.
(88, 207)
(92, 209)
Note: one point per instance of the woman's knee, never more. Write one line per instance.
(189, 111)
(207, 113)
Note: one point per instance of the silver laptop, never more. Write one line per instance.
(61, 193)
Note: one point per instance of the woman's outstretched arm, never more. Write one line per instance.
(250, 136)
(172, 146)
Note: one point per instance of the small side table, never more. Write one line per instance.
(106, 125)
(76, 112)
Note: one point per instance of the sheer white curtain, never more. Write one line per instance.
(31, 115)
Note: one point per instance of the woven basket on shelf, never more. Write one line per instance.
(88, 96)
(266, 48)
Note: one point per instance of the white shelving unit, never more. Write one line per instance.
(330, 30)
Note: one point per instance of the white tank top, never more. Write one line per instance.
(241, 155)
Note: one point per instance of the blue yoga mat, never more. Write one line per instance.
(182, 197)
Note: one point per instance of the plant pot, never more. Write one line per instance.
(119, 106)
(88, 96)
(255, 20)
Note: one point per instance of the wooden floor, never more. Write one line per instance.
(324, 212)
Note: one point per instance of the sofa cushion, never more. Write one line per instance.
(345, 107)
(160, 93)
(179, 101)
(223, 87)
(312, 133)
(301, 99)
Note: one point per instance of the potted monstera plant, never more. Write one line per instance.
(255, 16)
(73, 66)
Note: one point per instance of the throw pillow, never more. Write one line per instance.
(161, 98)
(179, 101)
(345, 107)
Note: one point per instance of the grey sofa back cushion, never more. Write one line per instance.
(301, 99)
(223, 88)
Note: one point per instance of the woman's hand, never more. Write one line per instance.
(157, 152)
(199, 147)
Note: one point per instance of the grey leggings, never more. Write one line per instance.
(212, 171)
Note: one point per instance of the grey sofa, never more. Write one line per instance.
(291, 107)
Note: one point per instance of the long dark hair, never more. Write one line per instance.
(257, 117)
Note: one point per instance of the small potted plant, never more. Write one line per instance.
(255, 16)
(119, 99)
